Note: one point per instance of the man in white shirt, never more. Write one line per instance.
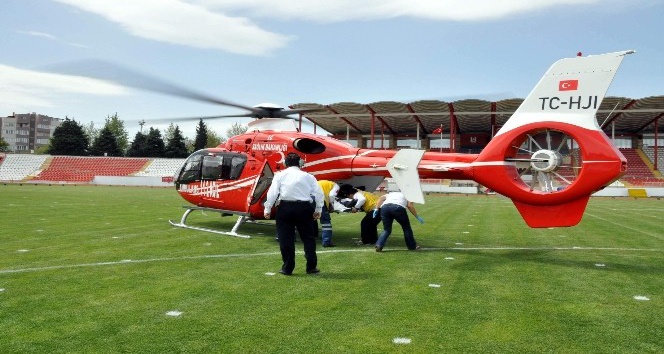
(295, 190)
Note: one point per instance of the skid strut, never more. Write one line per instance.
(242, 218)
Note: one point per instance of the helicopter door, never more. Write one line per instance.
(263, 183)
(227, 166)
(212, 167)
(220, 181)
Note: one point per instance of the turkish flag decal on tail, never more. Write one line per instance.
(568, 85)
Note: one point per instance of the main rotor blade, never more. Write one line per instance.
(102, 70)
(189, 119)
(287, 112)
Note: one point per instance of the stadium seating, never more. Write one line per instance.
(638, 172)
(18, 167)
(84, 169)
(650, 152)
(162, 167)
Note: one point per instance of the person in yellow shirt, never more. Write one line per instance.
(330, 191)
(366, 202)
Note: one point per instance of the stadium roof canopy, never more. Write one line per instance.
(619, 115)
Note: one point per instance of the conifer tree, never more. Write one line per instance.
(69, 139)
(175, 145)
(137, 148)
(201, 136)
(106, 144)
(154, 144)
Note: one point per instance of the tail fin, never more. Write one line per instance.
(403, 168)
(570, 92)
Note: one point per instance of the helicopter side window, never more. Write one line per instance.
(212, 167)
(237, 165)
(309, 146)
(191, 170)
(226, 168)
(223, 167)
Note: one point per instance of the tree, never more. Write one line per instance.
(106, 144)
(4, 146)
(42, 150)
(236, 129)
(190, 144)
(69, 139)
(175, 145)
(116, 126)
(154, 144)
(91, 132)
(169, 133)
(213, 139)
(137, 148)
(201, 136)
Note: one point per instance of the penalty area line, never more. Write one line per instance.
(247, 255)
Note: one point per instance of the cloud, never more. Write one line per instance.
(230, 25)
(25, 90)
(182, 23)
(52, 37)
(352, 10)
(39, 34)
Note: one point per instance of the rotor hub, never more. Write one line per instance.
(546, 160)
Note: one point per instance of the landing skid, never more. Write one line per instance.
(243, 217)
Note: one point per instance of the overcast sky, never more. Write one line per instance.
(323, 51)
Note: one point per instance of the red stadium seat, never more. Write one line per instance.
(84, 169)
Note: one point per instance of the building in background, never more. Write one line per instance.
(25, 133)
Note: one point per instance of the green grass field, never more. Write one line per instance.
(87, 269)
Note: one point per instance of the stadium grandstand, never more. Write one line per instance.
(26, 168)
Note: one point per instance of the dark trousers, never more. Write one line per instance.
(368, 231)
(389, 213)
(292, 215)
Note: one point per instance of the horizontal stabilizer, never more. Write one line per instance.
(560, 215)
(403, 168)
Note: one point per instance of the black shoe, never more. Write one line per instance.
(379, 249)
(329, 245)
(284, 272)
(313, 271)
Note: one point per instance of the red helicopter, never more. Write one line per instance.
(549, 157)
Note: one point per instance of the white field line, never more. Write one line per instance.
(271, 254)
(624, 226)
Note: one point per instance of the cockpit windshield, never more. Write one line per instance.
(206, 165)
